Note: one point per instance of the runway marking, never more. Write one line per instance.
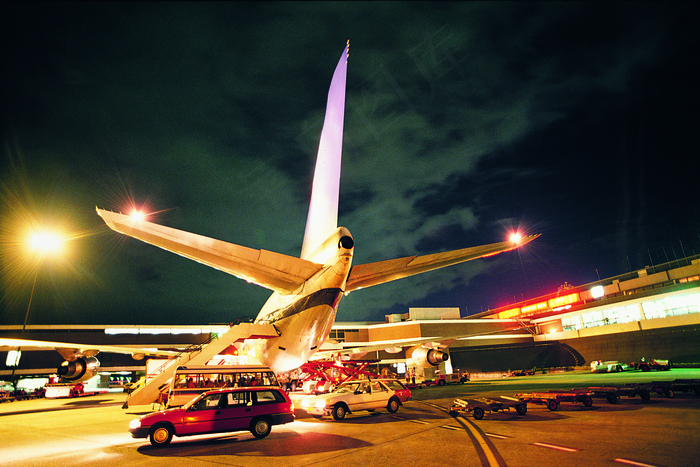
(484, 448)
(483, 444)
(554, 446)
(629, 462)
(421, 422)
(494, 435)
(451, 427)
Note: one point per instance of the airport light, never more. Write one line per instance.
(598, 291)
(42, 243)
(45, 242)
(515, 237)
(137, 215)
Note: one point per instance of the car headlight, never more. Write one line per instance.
(135, 424)
(320, 404)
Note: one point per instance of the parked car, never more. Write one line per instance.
(254, 409)
(400, 389)
(353, 396)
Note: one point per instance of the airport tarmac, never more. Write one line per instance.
(659, 432)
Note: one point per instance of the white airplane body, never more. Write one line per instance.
(306, 289)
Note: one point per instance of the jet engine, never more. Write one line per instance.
(81, 369)
(425, 357)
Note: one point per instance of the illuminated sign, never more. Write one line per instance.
(529, 309)
(553, 304)
(565, 300)
(509, 313)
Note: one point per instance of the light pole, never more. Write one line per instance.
(42, 243)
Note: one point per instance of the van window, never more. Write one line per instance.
(237, 399)
(268, 397)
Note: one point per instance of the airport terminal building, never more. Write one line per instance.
(653, 313)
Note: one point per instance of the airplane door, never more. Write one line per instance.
(202, 416)
(236, 411)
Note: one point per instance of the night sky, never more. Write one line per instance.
(463, 121)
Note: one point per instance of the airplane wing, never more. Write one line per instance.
(369, 274)
(274, 271)
(395, 345)
(331, 350)
(68, 349)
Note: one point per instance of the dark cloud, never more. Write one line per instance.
(463, 120)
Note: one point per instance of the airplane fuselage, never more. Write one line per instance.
(304, 318)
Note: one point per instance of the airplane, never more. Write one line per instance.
(306, 290)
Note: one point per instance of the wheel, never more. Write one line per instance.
(260, 427)
(552, 405)
(612, 397)
(393, 405)
(521, 409)
(588, 401)
(161, 435)
(478, 413)
(441, 382)
(339, 412)
(644, 394)
(669, 393)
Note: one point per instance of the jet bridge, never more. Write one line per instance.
(148, 391)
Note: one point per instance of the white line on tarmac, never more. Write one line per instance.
(554, 446)
(629, 462)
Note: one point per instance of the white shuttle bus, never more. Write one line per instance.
(191, 381)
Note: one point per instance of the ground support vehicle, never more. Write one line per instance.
(255, 409)
(612, 366)
(553, 398)
(324, 376)
(653, 364)
(191, 381)
(479, 406)
(614, 393)
(452, 378)
(669, 388)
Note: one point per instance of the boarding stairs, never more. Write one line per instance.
(150, 389)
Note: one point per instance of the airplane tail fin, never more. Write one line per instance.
(322, 219)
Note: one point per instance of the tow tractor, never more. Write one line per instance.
(452, 378)
(553, 398)
(479, 406)
(323, 376)
(652, 364)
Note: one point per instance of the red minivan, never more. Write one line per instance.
(254, 409)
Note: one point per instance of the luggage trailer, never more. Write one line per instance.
(553, 398)
(483, 404)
